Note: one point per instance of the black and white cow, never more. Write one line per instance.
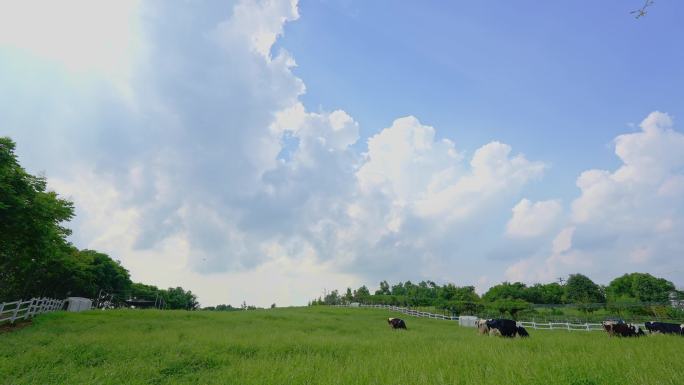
(506, 327)
(396, 323)
(663, 327)
(622, 329)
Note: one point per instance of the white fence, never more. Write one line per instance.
(527, 324)
(22, 310)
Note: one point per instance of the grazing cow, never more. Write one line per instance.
(396, 323)
(507, 327)
(522, 332)
(663, 327)
(482, 327)
(622, 329)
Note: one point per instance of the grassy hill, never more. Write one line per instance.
(317, 345)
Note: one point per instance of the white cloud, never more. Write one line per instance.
(189, 172)
(533, 219)
(201, 167)
(563, 241)
(625, 220)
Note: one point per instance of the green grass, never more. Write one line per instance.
(317, 346)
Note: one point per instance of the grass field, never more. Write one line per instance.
(317, 345)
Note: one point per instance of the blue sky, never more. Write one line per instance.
(473, 143)
(556, 80)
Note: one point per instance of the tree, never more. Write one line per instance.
(361, 294)
(506, 291)
(384, 289)
(33, 243)
(639, 286)
(580, 289)
(348, 296)
(332, 298)
(550, 293)
(178, 298)
(398, 289)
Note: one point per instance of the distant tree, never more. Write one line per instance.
(226, 308)
(178, 298)
(506, 291)
(361, 294)
(348, 296)
(550, 293)
(582, 290)
(398, 289)
(384, 289)
(640, 286)
(273, 306)
(332, 298)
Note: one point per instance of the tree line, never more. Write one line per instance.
(636, 292)
(37, 260)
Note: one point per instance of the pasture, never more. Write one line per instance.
(318, 345)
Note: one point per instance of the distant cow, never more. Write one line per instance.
(663, 327)
(622, 329)
(506, 327)
(396, 323)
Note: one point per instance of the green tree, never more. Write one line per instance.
(506, 291)
(178, 298)
(550, 293)
(33, 245)
(640, 286)
(361, 294)
(384, 289)
(398, 289)
(348, 296)
(580, 289)
(332, 298)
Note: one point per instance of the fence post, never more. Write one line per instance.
(29, 311)
(16, 311)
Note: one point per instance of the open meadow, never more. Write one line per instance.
(317, 345)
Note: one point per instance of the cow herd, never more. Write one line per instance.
(621, 329)
(509, 328)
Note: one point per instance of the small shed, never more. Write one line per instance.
(467, 321)
(78, 304)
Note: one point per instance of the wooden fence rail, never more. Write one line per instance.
(23, 310)
(527, 324)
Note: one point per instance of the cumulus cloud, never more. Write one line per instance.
(627, 219)
(199, 165)
(533, 219)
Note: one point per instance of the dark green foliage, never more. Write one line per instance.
(642, 287)
(33, 245)
(178, 298)
(37, 260)
(582, 290)
(579, 298)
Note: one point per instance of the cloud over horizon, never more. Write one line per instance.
(194, 160)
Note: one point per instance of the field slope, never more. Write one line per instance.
(317, 346)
